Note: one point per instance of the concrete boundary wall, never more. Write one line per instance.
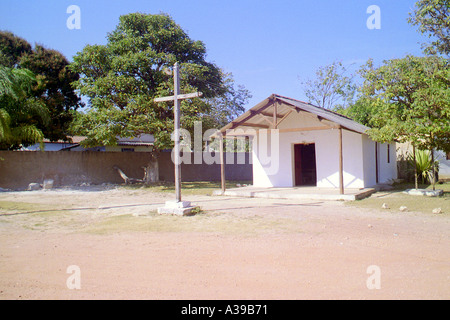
(18, 168)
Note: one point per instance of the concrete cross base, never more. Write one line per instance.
(181, 208)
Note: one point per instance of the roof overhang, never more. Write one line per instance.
(274, 110)
(135, 144)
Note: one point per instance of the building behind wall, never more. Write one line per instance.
(405, 170)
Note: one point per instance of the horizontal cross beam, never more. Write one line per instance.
(179, 97)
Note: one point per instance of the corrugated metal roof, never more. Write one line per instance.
(140, 140)
(136, 143)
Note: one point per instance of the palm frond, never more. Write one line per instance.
(424, 165)
(26, 134)
(16, 83)
(36, 107)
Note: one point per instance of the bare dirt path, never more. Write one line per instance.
(235, 249)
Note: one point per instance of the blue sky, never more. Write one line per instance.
(267, 45)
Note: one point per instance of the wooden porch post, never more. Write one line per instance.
(275, 126)
(376, 162)
(222, 164)
(341, 164)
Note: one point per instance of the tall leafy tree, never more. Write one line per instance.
(361, 111)
(12, 48)
(332, 88)
(56, 92)
(55, 78)
(410, 101)
(20, 112)
(433, 19)
(227, 106)
(122, 78)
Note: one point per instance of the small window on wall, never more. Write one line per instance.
(388, 153)
(127, 149)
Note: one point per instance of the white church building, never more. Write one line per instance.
(295, 143)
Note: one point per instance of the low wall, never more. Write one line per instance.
(237, 167)
(19, 168)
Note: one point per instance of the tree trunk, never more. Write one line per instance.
(433, 169)
(152, 169)
(416, 183)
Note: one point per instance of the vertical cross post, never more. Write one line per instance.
(176, 111)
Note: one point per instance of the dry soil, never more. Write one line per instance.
(236, 248)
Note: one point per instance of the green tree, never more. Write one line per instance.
(55, 78)
(20, 112)
(227, 106)
(12, 48)
(57, 93)
(410, 101)
(433, 19)
(122, 78)
(360, 111)
(332, 88)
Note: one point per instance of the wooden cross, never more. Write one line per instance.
(176, 98)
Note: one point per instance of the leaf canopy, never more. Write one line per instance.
(410, 101)
(122, 78)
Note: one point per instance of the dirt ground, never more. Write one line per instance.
(236, 248)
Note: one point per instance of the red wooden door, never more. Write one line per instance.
(305, 164)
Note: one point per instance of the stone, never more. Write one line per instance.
(403, 208)
(34, 186)
(48, 184)
(437, 210)
(385, 206)
(425, 192)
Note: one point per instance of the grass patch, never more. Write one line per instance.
(17, 207)
(395, 198)
(189, 188)
(442, 185)
(36, 210)
(34, 216)
(202, 222)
